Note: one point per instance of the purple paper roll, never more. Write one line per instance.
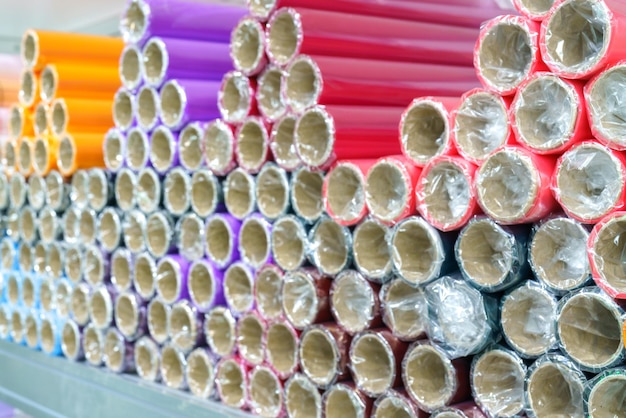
(205, 283)
(172, 277)
(179, 19)
(183, 101)
(170, 58)
(219, 251)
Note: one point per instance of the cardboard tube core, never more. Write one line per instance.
(135, 20)
(28, 88)
(148, 192)
(272, 191)
(93, 345)
(331, 249)
(607, 251)
(429, 376)
(46, 295)
(30, 48)
(158, 320)
(283, 36)
(158, 234)
(41, 119)
(123, 109)
(536, 7)
(201, 284)
(48, 225)
(319, 358)
(168, 280)
(306, 194)
(31, 329)
(268, 292)
(605, 115)
(394, 407)
(220, 331)
(552, 392)
(67, 154)
(261, 9)
(79, 304)
(13, 290)
(55, 260)
(59, 117)
(505, 55)
(114, 350)
(282, 348)
(25, 257)
(47, 336)
(110, 229)
(155, 61)
(125, 184)
(70, 340)
(205, 191)
(16, 125)
(162, 149)
(590, 330)
(345, 192)
(247, 45)
(183, 326)
(49, 83)
(417, 252)
(303, 83)
(371, 249)
(219, 240)
(40, 259)
(238, 285)
(25, 156)
(145, 275)
(94, 270)
(447, 193)
(130, 67)
(134, 228)
(121, 270)
(27, 224)
(200, 373)
(100, 308)
(269, 94)
(98, 186)
(126, 314)
(265, 392)
(498, 381)
(239, 193)
(387, 190)
(88, 226)
(17, 193)
(147, 359)
(254, 241)
(62, 298)
(577, 35)
(315, 137)
(41, 156)
(190, 229)
(289, 243)
(252, 145)
(177, 191)
(74, 264)
(250, 339)
(190, 146)
(219, 142)
(137, 148)
(17, 327)
(231, 383)
(148, 107)
(302, 398)
(352, 301)
(7, 252)
(173, 103)
(299, 297)
(605, 400)
(425, 131)
(172, 367)
(373, 363)
(282, 143)
(341, 401)
(28, 292)
(235, 100)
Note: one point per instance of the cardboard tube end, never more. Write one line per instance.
(345, 192)
(303, 83)
(268, 292)
(430, 377)
(282, 143)
(299, 299)
(162, 149)
(220, 331)
(231, 383)
(289, 243)
(283, 36)
(265, 392)
(331, 244)
(123, 109)
(200, 373)
(219, 240)
(190, 147)
(306, 194)
(302, 398)
(247, 46)
(282, 348)
(315, 137)
(387, 190)
(252, 145)
(173, 367)
(131, 67)
(319, 357)
(158, 320)
(239, 193)
(417, 251)
(269, 94)
(238, 287)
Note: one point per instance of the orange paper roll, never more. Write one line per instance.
(20, 122)
(45, 152)
(77, 115)
(24, 155)
(43, 47)
(84, 81)
(79, 150)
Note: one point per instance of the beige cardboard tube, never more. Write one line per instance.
(17, 192)
(219, 147)
(205, 192)
(289, 243)
(46, 295)
(342, 401)
(603, 113)
(7, 253)
(190, 240)
(88, 226)
(238, 287)
(395, 406)
(283, 33)
(252, 145)
(173, 366)
(155, 61)
(168, 279)
(147, 359)
(299, 298)
(121, 269)
(109, 229)
(134, 231)
(190, 147)
(239, 193)
(27, 222)
(177, 188)
(345, 193)
(114, 351)
(425, 131)
(269, 94)
(144, 275)
(79, 192)
(372, 254)
(159, 233)
(352, 301)
(183, 326)
(219, 240)
(114, 149)
(250, 331)
(41, 119)
(125, 185)
(25, 257)
(41, 155)
(605, 400)
(200, 373)
(58, 191)
(231, 383)
(373, 363)
(267, 291)
(447, 193)
(319, 356)
(282, 143)
(554, 390)
(387, 190)
(17, 327)
(281, 345)
(101, 308)
(56, 258)
(220, 331)
(71, 341)
(255, 241)
(40, 254)
(315, 137)
(247, 46)
(95, 265)
(272, 191)
(606, 253)
(266, 392)
(71, 225)
(62, 298)
(28, 88)
(202, 284)
(8, 154)
(127, 314)
(49, 225)
(162, 149)
(332, 246)
(99, 189)
(159, 320)
(28, 292)
(31, 331)
(429, 376)
(124, 105)
(303, 83)
(4, 187)
(306, 194)
(131, 66)
(16, 127)
(148, 107)
(148, 192)
(137, 149)
(302, 398)
(93, 345)
(79, 304)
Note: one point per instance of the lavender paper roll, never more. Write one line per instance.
(183, 101)
(171, 278)
(179, 19)
(222, 239)
(172, 57)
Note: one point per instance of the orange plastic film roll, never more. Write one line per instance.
(21, 121)
(79, 80)
(78, 115)
(43, 47)
(79, 150)
(45, 151)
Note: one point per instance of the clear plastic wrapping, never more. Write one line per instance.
(185, 326)
(354, 302)
(79, 304)
(36, 191)
(395, 404)
(250, 331)
(269, 95)
(252, 144)
(93, 345)
(266, 393)
(220, 331)
(255, 241)
(324, 354)
(206, 193)
(272, 191)
(239, 193)
(58, 192)
(281, 342)
(71, 225)
(305, 296)
(144, 275)
(344, 191)
(371, 247)
(148, 191)
(268, 291)
(72, 341)
(28, 225)
(248, 46)
(604, 394)
(404, 309)
(282, 143)
(239, 288)
(463, 410)
(114, 148)
(605, 104)
(125, 186)
(96, 265)
(219, 147)
(330, 246)
(306, 194)
(177, 191)
(302, 398)
(130, 316)
(101, 189)
(605, 248)
(109, 228)
(222, 239)
(101, 304)
(62, 298)
(32, 327)
(79, 189)
(231, 380)
(236, 97)
(289, 242)
(190, 147)
(205, 285)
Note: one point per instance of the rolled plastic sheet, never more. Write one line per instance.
(343, 397)
(281, 342)
(79, 304)
(58, 191)
(247, 47)
(272, 191)
(110, 229)
(508, 53)
(159, 234)
(604, 103)
(239, 288)
(178, 19)
(282, 143)
(29, 89)
(371, 248)
(554, 385)
(590, 182)
(302, 397)
(348, 81)
(119, 355)
(458, 333)
(267, 292)
(122, 266)
(222, 239)
(231, 382)
(177, 191)
(324, 354)
(604, 249)
(185, 326)
(492, 257)
(513, 186)
(603, 393)
(72, 341)
(306, 191)
(73, 263)
(239, 193)
(24, 157)
(589, 329)
(445, 193)
(134, 227)
(528, 319)
(43, 47)
(354, 302)
(200, 373)
(237, 98)
(250, 331)
(498, 376)
(79, 151)
(255, 241)
(101, 305)
(148, 109)
(269, 98)
(93, 345)
(148, 190)
(463, 410)
(144, 275)
(390, 189)
(190, 146)
(173, 366)
(330, 246)
(325, 134)
(432, 379)
(581, 38)
(396, 403)
(305, 31)
(534, 9)
(404, 310)
(344, 191)
(419, 252)
(147, 359)
(62, 298)
(124, 109)
(220, 331)
(190, 236)
(78, 80)
(171, 58)
(218, 144)
(130, 315)
(172, 278)
(28, 225)
(137, 149)
(305, 296)
(289, 243)
(252, 144)
(130, 68)
(266, 392)
(158, 315)
(183, 101)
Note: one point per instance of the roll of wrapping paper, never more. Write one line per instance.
(186, 326)
(445, 192)
(601, 393)
(281, 342)
(354, 302)
(372, 254)
(222, 239)
(78, 80)
(267, 292)
(397, 403)
(177, 191)
(114, 150)
(172, 58)
(237, 97)
(548, 115)
(239, 193)
(148, 107)
(329, 133)
(534, 9)
(282, 143)
(200, 373)
(250, 331)
(183, 101)
(79, 150)
(247, 47)
(24, 155)
(190, 147)
(147, 359)
(271, 103)
(461, 410)
(219, 330)
(266, 392)
(289, 242)
(252, 148)
(272, 191)
(163, 149)
(173, 365)
(306, 31)
(178, 19)
(604, 248)
(131, 315)
(21, 122)
(78, 115)
(345, 396)
(324, 354)
(603, 95)
(44, 47)
(124, 109)
(239, 288)
(10, 70)
(305, 297)
(295, 387)
(131, 67)
(218, 145)
(190, 236)
(205, 285)
(330, 246)
(29, 88)
(119, 354)
(255, 241)
(172, 278)
(323, 80)
(580, 38)
(206, 193)
(231, 375)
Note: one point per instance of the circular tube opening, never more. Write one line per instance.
(302, 398)
(25, 257)
(284, 36)
(342, 401)
(7, 252)
(57, 190)
(417, 251)
(606, 115)
(282, 348)
(144, 276)
(306, 194)
(28, 88)
(254, 241)
(373, 363)
(345, 192)
(80, 189)
(315, 137)
(110, 229)
(387, 190)
(331, 243)
(395, 406)
(238, 286)
(147, 359)
(158, 320)
(554, 390)
(17, 192)
(59, 117)
(200, 373)
(93, 345)
(536, 8)
(372, 254)
(96, 267)
(429, 377)
(219, 143)
(268, 285)
(36, 191)
(125, 185)
(169, 280)
(319, 356)
(353, 301)
(67, 155)
(16, 126)
(74, 264)
(173, 103)
(190, 230)
(62, 298)
(183, 327)
(46, 295)
(28, 292)
(114, 350)
(40, 259)
(247, 46)
(148, 193)
(219, 240)
(130, 67)
(101, 308)
(135, 21)
(266, 393)
(121, 270)
(114, 149)
(282, 143)
(123, 109)
(49, 227)
(41, 119)
(148, 107)
(425, 131)
(134, 230)
(447, 193)
(79, 304)
(299, 296)
(303, 84)
(88, 226)
(27, 221)
(250, 332)
(177, 187)
(155, 61)
(55, 260)
(162, 149)
(158, 234)
(25, 156)
(17, 327)
(272, 191)
(137, 149)
(235, 100)
(205, 193)
(48, 83)
(604, 401)
(13, 290)
(269, 94)
(190, 147)
(231, 383)
(252, 145)
(289, 243)
(202, 284)
(173, 367)
(606, 253)
(220, 331)
(239, 193)
(70, 341)
(30, 48)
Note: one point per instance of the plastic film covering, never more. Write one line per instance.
(324, 354)
(558, 254)
(220, 331)
(122, 265)
(344, 191)
(306, 194)
(119, 355)
(462, 321)
(144, 275)
(255, 241)
(289, 243)
(605, 103)
(237, 97)
(548, 114)
(354, 302)
(247, 46)
(250, 331)
(343, 399)
(171, 278)
(148, 191)
(72, 341)
(589, 329)
(79, 304)
(206, 193)
(492, 257)
(190, 236)
(395, 404)
(173, 366)
(282, 143)
(554, 386)
(93, 345)
(109, 229)
(219, 147)
(101, 190)
(267, 292)
(158, 315)
(231, 382)
(137, 149)
(135, 232)
(302, 398)
(200, 373)
(101, 304)
(272, 191)
(528, 319)
(205, 285)
(222, 239)
(130, 316)
(432, 379)
(36, 191)
(40, 260)
(266, 392)
(305, 297)
(252, 144)
(62, 298)
(419, 252)
(603, 394)
(269, 95)
(534, 9)
(148, 359)
(281, 342)
(239, 288)
(604, 248)
(498, 376)
(463, 410)
(159, 235)
(177, 191)
(239, 193)
(57, 196)
(404, 309)
(185, 326)
(507, 53)
(163, 149)
(125, 186)
(124, 109)
(330, 246)
(190, 150)
(114, 150)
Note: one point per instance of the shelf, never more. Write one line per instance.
(55, 387)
